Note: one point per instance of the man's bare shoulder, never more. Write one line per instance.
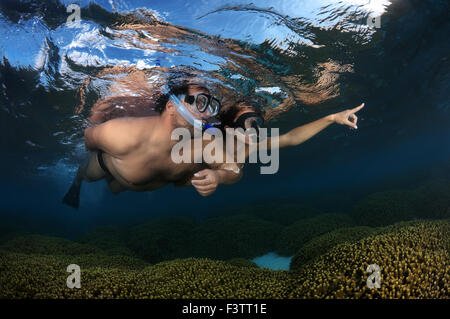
(133, 120)
(130, 125)
(121, 135)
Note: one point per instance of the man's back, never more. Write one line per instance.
(137, 152)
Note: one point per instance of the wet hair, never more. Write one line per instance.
(228, 116)
(176, 87)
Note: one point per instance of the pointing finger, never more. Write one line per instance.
(356, 109)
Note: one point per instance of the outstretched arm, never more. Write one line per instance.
(305, 132)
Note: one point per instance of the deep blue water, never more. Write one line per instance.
(400, 70)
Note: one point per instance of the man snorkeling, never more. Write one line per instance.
(134, 153)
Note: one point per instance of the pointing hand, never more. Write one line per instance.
(348, 117)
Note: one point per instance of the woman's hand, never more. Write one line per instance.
(347, 117)
(206, 182)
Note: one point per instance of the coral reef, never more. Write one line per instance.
(162, 239)
(281, 212)
(242, 262)
(321, 244)
(434, 201)
(35, 276)
(169, 238)
(385, 208)
(203, 278)
(431, 200)
(234, 236)
(293, 237)
(109, 239)
(44, 276)
(38, 244)
(413, 258)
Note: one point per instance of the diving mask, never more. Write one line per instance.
(204, 123)
(256, 120)
(253, 120)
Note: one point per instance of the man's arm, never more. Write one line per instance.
(305, 132)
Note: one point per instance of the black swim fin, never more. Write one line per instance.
(72, 197)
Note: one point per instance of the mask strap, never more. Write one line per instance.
(241, 119)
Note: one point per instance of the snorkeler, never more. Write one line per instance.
(246, 117)
(134, 153)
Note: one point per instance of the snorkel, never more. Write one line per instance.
(203, 124)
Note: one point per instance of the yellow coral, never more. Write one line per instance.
(321, 244)
(293, 237)
(414, 262)
(413, 257)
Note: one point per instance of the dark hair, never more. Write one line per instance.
(228, 116)
(176, 86)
